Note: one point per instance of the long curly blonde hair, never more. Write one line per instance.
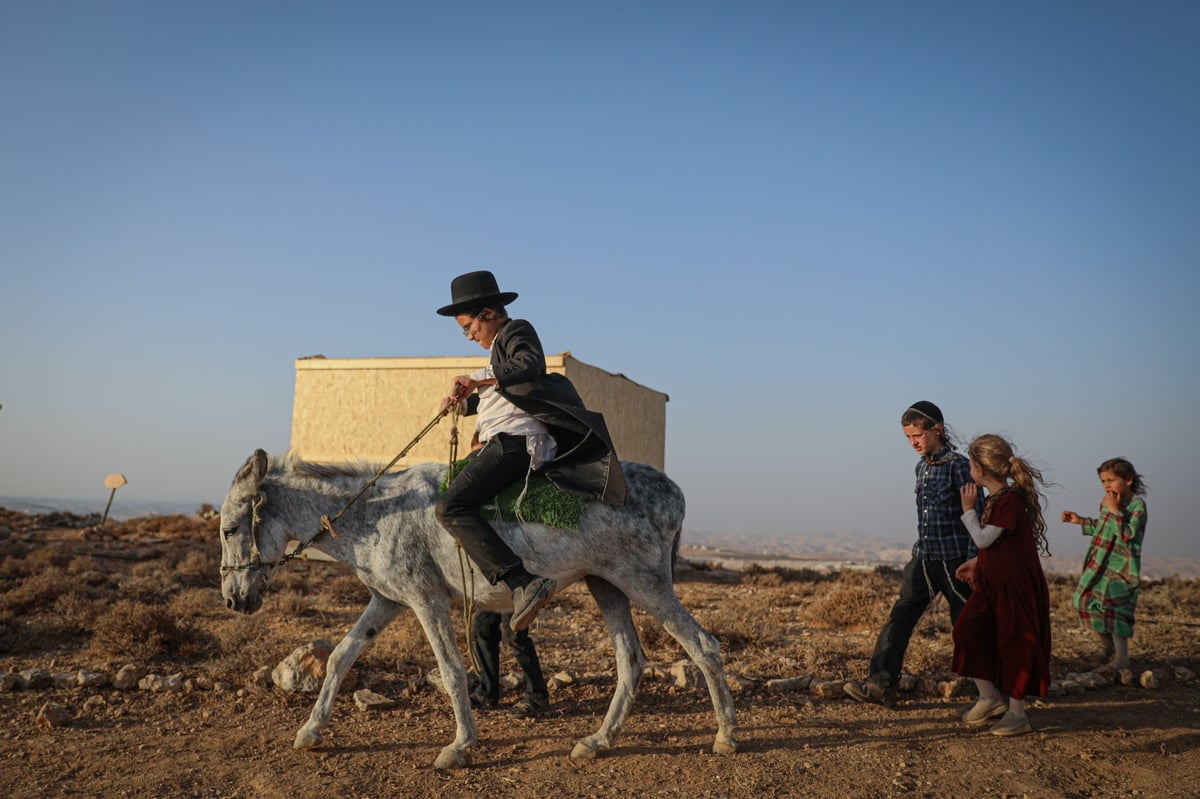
(995, 455)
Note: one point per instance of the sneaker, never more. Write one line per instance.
(870, 691)
(985, 710)
(529, 706)
(528, 600)
(1012, 724)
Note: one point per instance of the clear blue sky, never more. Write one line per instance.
(795, 219)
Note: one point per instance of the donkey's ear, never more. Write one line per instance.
(260, 466)
(252, 470)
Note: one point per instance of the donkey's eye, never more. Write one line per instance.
(229, 533)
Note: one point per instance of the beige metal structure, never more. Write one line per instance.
(368, 409)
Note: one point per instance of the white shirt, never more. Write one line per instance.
(497, 415)
(984, 537)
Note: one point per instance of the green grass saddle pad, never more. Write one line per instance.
(542, 503)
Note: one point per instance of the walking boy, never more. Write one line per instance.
(943, 544)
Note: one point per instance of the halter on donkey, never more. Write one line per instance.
(396, 546)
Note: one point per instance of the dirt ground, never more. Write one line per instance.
(73, 596)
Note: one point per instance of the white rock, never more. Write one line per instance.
(303, 671)
(90, 679)
(784, 685)
(685, 674)
(128, 676)
(368, 700)
(32, 679)
(828, 689)
(960, 686)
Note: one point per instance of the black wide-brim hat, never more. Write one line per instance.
(475, 290)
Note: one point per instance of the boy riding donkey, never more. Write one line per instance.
(528, 420)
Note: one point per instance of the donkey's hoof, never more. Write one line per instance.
(451, 757)
(584, 751)
(307, 738)
(725, 747)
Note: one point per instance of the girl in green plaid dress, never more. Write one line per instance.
(1108, 588)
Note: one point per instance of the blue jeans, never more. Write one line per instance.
(920, 576)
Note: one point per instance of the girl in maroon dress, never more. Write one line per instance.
(1002, 636)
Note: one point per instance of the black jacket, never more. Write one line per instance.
(586, 463)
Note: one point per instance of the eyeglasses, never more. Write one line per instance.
(469, 325)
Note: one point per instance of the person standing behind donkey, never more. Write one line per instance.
(488, 629)
(528, 419)
(943, 544)
(1108, 588)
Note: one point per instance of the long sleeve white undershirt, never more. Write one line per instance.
(983, 537)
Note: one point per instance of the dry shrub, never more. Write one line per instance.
(858, 600)
(1170, 597)
(173, 526)
(15, 635)
(198, 603)
(44, 558)
(346, 589)
(12, 564)
(82, 563)
(781, 575)
(736, 631)
(242, 644)
(291, 603)
(75, 613)
(651, 633)
(148, 588)
(197, 568)
(37, 591)
(140, 632)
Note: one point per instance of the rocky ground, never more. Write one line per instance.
(176, 699)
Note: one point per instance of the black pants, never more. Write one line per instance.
(487, 630)
(915, 595)
(502, 461)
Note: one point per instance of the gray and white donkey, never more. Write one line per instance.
(394, 543)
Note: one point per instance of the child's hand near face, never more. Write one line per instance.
(1112, 500)
(970, 495)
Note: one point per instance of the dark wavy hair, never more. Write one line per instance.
(1124, 469)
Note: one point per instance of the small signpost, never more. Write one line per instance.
(113, 481)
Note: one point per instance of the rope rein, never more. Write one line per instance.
(468, 586)
(463, 569)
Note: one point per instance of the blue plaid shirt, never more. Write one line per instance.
(940, 531)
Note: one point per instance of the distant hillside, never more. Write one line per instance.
(830, 549)
(120, 511)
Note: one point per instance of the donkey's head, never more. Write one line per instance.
(244, 569)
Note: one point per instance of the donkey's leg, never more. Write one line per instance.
(434, 614)
(631, 662)
(701, 647)
(379, 614)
